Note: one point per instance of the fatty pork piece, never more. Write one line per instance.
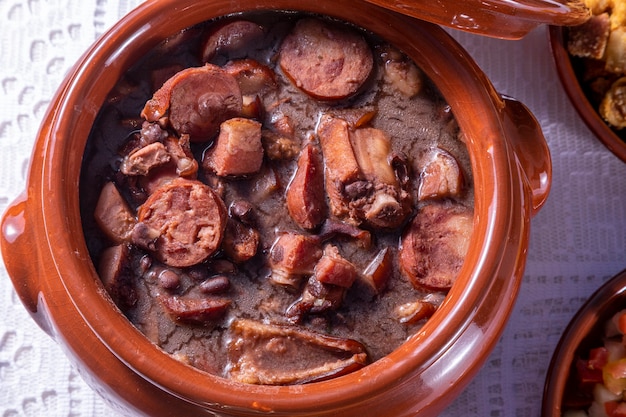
(160, 161)
(401, 72)
(272, 354)
(434, 245)
(440, 177)
(361, 183)
(326, 288)
(196, 101)
(292, 257)
(237, 151)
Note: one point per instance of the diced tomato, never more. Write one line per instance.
(621, 322)
(615, 409)
(588, 372)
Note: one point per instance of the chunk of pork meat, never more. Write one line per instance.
(402, 73)
(361, 182)
(434, 245)
(256, 348)
(253, 77)
(196, 100)
(142, 160)
(440, 177)
(292, 257)
(181, 164)
(341, 167)
(238, 149)
(421, 309)
(377, 273)
(326, 288)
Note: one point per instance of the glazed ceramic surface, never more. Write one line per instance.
(582, 333)
(512, 171)
(580, 102)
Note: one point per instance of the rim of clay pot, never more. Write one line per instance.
(577, 338)
(579, 100)
(479, 303)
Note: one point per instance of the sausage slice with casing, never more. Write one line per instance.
(434, 245)
(326, 62)
(189, 219)
(197, 100)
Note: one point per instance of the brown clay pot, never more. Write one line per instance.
(47, 259)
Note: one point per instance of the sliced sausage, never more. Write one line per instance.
(434, 245)
(238, 150)
(325, 61)
(194, 310)
(198, 99)
(306, 199)
(112, 214)
(190, 219)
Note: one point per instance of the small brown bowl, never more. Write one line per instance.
(46, 255)
(571, 84)
(582, 333)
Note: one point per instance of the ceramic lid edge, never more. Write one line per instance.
(506, 19)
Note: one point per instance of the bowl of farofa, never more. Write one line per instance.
(590, 66)
(159, 131)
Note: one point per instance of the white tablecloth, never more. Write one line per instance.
(578, 239)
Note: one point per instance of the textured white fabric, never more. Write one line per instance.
(578, 239)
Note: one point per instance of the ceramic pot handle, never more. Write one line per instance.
(21, 258)
(531, 150)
